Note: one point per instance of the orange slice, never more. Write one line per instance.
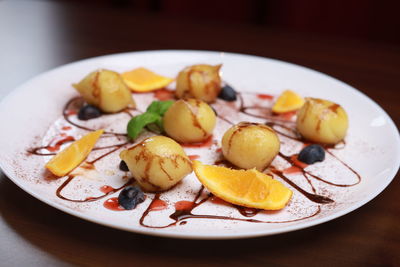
(73, 155)
(144, 80)
(288, 101)
(249, 188)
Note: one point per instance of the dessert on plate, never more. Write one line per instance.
(250, 152)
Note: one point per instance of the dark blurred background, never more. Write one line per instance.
(357, 19)
(357, 41)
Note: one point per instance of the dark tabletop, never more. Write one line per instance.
(38, 35)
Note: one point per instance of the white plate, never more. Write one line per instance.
(28, 114)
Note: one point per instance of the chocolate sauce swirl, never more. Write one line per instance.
(90, 198)
(182, 215)
(71, 109)
(283, 127)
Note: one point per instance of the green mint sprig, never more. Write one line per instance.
(152, 119)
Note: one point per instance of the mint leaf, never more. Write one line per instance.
(137, 123)
(152, 119)
(159, 107)
(153, 127)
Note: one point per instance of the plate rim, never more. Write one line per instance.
(229, 235)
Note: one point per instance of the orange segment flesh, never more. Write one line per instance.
(249, 188)
(288, 101)
(144, 80)
(73, 155)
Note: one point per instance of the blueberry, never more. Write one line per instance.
(130, 197)
(311, 154)
(227, 93)
(88, 112)
(123, 167)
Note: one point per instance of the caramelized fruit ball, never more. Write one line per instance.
(199, 81)
(250, 145)
(322, 121)
(106, 90)
(157, 163)
(189, 121)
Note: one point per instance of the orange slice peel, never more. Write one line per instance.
(73, 155)
(248, 188)
(144, 80)
(288, 101)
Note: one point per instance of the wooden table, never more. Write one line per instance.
(39, 35)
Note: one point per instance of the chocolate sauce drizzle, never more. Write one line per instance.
(88, 199)
(49, 147)
(37, 150)
(70, 109)
(90, 165)
(313, 197)
(115, 148)
(267, 114)
(181, 216)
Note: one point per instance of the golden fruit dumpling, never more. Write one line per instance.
(157, 163)
(189, 121)
(322, 121)
(250, 145)
(106, 90)
(200, 82)
(288, 101)
(249, 188)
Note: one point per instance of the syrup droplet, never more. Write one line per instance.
(297, 162)
(206, 143)
(292, 169)
(112, 204)
(164, 94)
(71, 112)
(287, 115)
(59, 143)
(184, 205)
(194, 157)
(158, 204)
(106, 189)
(265, 96)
